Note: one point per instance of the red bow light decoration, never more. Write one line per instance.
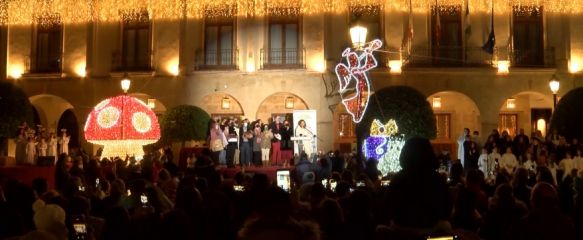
(356, 99)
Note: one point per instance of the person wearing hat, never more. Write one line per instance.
(64, 142)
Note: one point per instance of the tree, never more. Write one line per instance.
(568, 117)
(407, 106)
(14, 109)
(184, 123)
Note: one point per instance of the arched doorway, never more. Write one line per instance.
(453, 112)
(68, 121)
(221, 105)
(527, 110)
(280, 104)
(344, 130)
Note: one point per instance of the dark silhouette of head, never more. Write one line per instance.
(418, 155)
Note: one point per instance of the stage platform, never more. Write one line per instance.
(26, 174)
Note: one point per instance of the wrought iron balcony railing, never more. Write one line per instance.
(282, 58)
(223, 59)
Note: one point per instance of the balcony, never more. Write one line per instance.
(539, 58)
(45, 65)
(224, 59)
(283, 58)
(449, 56)
(137, 63)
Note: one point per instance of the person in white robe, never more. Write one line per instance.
(508, 161)
(566, 165)
(30, 151)
(64, 142)
(483, 164)
(460, 145)
(42, 147)
(52, 146)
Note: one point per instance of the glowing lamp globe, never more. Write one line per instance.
(123, 125)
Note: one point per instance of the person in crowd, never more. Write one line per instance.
(233, 141)
(266, 138)
(307, 146)
(420, 200)
(567, 164)
(42, 147)
(30, 151)
(276, 129)
(483, 162)
(460, 145)
(216, 143)
(520, 187)
(52, 145)
(64, 142)
(257, 143)
(503, 212)
(287, 145)
(545, 220)
(508, 162)
(471, 155)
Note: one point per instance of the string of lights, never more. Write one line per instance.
(24, 12)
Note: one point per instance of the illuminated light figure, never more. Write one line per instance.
(358, 64)
(384, 144)
(123, 125)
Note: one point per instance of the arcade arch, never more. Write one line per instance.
(280, 104)
(526, 110)
(222, 105)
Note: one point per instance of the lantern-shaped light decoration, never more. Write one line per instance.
(511, 103)
(358, 36)
(123, 125)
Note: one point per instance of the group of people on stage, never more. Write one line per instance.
(32, 144)
(257, 143)
(504, 154)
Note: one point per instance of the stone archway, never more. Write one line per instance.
(280, 104)
(49, 109)
(453, 112)
(523, 111)
(222, 105)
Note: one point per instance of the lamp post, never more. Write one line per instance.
(554, 85)
(358, 36)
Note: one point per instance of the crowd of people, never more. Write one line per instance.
(338, 196)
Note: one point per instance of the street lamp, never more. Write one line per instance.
(358, 36)
(125, 84)
(554, 84)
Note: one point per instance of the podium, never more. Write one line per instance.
(300, 145)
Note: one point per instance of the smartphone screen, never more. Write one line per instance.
(325, 183)
(80, 228)
(453, 237)
(333, 185)
(144, 199)
(385, 183)
(283, 180)
(97, 183)
(239, 188)
(360, 184)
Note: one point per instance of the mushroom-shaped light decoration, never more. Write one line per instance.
(123, 125)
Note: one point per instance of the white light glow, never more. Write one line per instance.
(173, 67)
(15, 71)
(503, 67)
(125, 85)
(436, 102)
(511, 103)
(541, 125)
(80, 69)
(575, 66)
(358, 36)
(395, 66)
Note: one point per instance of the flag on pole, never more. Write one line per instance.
(410, 29)
(468, 28)
(437, 25)
(489, 45)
